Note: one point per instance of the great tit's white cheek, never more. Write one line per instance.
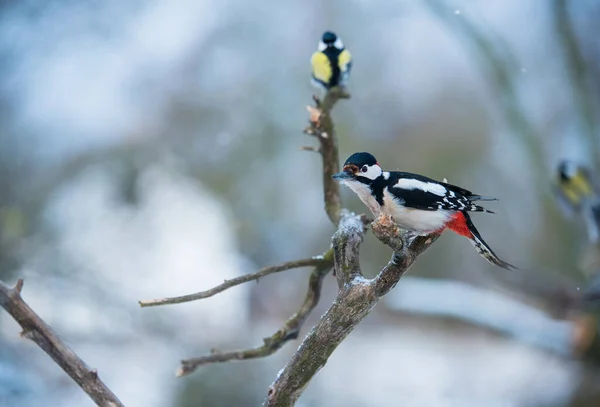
(322, 46)
(338, 43)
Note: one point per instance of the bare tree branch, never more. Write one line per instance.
(288, 331)
(356, 298)
(357, 295)
(318, 261)
(321, 126)
(38, 331)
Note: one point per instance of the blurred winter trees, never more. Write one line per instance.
(150, 148)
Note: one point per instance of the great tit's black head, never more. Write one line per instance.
(567, 170)
(329, 39)
(361, 167)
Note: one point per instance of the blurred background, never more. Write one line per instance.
(150, 149)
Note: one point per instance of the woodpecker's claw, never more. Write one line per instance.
(409, 238)
(396, 258)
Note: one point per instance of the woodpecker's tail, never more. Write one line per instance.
(462, 224)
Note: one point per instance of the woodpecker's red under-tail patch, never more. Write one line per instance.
(461, 224)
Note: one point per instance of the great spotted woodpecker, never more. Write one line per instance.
(416, 203)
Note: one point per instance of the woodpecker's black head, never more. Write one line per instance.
(362, 167)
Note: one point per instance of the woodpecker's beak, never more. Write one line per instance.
(342, 175)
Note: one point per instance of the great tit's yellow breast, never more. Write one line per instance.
(321, 67)
(571, 195)
(577, 189)
(344, 60)
(582, 185)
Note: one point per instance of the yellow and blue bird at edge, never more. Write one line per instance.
(574, 184)
(332, 63)
(576, 193)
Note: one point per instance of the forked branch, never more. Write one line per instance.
(322, 127)
(357, 295)
(273, 343)
(356, 298)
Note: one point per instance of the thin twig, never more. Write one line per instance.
(288, 331)
(310, 148)
(313, 261)
(38, 331)
(321, 126)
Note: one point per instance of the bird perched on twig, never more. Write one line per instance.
(332, 63)
(576, 193)
(418, 204)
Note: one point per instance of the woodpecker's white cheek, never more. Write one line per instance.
(373, 172)
(432, 187)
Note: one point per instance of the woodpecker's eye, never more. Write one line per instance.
(364, 168)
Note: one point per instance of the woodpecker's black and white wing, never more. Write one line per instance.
(420, 192)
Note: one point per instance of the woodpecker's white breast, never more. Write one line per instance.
(364, 193)
(417, 220)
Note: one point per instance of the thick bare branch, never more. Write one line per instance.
(38, 331)
(288, 331)
(321, 126)
(318, 261)
(355, 300)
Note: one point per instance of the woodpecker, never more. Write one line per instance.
(576, 193)
(417, 203)
(331, 64)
